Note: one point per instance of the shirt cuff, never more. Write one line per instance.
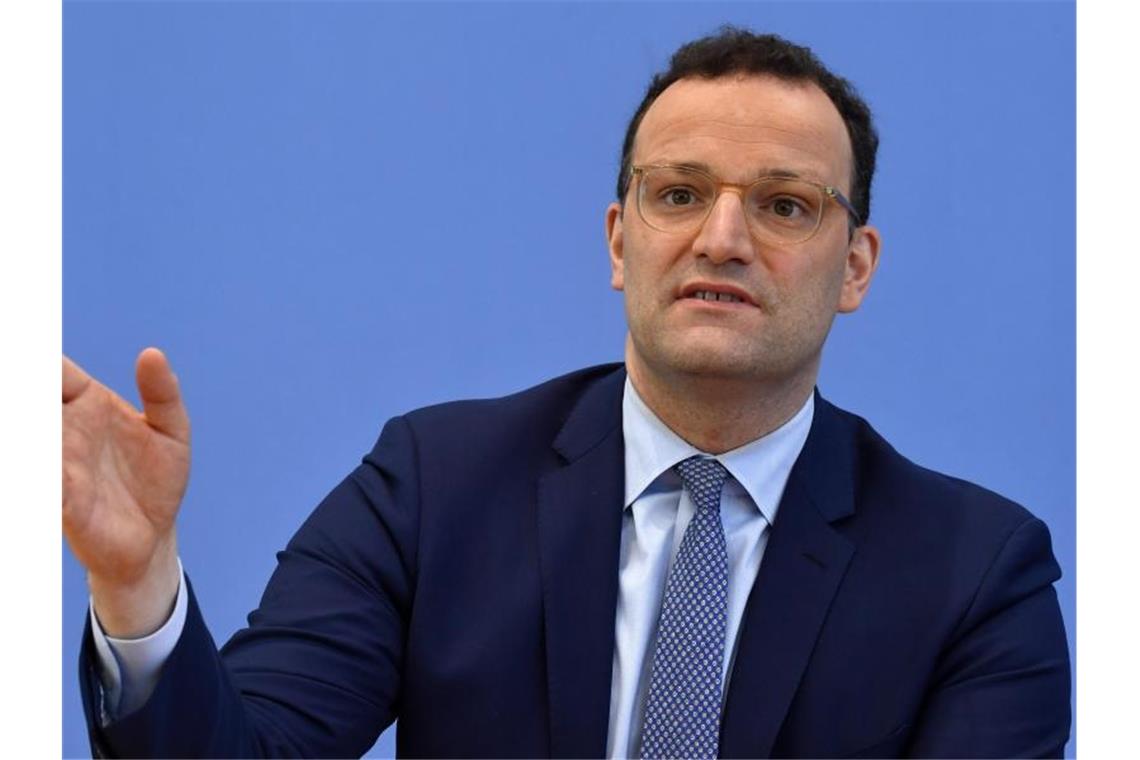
(129, 668)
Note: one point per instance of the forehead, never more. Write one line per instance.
(746, 125)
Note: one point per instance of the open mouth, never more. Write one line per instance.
(708, 295)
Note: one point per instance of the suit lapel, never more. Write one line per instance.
(803, 565)
(579, 529)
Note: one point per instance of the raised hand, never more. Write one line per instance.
(124, 474)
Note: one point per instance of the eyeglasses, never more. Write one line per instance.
(780, 210)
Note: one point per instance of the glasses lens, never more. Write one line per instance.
(675, 200)
(785, 210)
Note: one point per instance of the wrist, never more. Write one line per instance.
(139, 608)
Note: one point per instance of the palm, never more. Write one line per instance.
(124, 476)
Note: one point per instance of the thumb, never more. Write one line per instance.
(161, 399)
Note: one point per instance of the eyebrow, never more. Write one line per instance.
(703, 167)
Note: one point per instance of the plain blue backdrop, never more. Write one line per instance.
(329, 214)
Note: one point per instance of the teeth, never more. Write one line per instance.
(710, 296)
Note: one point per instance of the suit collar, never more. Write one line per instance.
(595, 416)
(579, 532)
(826, 466)
(804, 564)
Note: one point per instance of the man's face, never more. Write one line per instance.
(739, 128)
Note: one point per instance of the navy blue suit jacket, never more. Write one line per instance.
(463, 579)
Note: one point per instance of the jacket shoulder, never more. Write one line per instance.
(518, 427)
(550, 401)
(937, 499)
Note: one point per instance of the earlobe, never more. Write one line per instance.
(862, 261)
(615, 242)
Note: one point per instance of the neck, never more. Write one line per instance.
(719, 413)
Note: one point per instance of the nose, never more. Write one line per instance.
(725, 235)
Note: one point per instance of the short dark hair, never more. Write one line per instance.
(733, 50)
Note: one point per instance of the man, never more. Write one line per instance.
(690, 555)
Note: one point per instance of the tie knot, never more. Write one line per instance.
(704, 478)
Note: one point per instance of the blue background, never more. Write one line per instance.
(329, 214)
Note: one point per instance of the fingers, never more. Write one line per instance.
(161, 399)
(75, 380)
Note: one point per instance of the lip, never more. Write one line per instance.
(715, 287)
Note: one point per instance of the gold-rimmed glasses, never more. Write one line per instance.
(780, 209)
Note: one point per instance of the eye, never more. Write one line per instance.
(787, 208)
(679, 196)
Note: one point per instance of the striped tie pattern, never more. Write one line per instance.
(682, 712)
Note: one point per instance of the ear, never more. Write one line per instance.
(614, 239)
(862, 261)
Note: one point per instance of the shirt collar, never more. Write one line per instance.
(761, 466)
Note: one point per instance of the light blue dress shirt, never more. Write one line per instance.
(657, 511)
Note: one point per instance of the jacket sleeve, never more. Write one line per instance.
(1002, 687)
(317, 671)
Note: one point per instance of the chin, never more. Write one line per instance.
(732, 360)
(718, 362)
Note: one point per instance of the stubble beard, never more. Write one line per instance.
(717, 356)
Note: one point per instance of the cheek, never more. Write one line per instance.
(806, 285)
(642, 269)
(654, 265)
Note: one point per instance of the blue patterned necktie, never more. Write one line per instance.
(682, 712)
